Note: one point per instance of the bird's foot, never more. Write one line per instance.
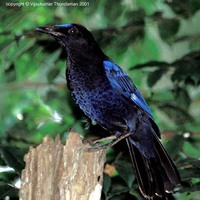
(105, 143)
(96, 144)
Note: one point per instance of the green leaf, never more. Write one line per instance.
(189, 146)
(196, 163)
(150, 64)
(153, 77)
(13, 158)
(7, 176)
(189, 173)
(182, 97)
(125, 170)
(52, 74)
(117, 188)
(175, 145)
(7, 190)
(187, 68)
(184, 8)
(178, 114)
(194, 195)
(168, 28)
(194, 189)
(106, 184)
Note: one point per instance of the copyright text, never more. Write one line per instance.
(48, 4)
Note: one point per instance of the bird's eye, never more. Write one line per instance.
(73, 31)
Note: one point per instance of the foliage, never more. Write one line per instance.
(156, 42)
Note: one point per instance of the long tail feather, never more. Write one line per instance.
(157, 174)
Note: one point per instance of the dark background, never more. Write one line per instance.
(157, 42)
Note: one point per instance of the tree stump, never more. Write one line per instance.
(62, 172)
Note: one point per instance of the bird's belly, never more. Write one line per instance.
(105, 106)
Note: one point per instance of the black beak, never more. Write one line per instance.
(51, 30)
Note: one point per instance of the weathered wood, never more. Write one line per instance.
(62, 172)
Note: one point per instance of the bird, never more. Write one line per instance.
(107, 95)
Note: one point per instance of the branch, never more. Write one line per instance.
(13, 86)
(68, 172)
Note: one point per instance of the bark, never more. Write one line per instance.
(62, 172)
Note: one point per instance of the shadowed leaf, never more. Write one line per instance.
(13, 157)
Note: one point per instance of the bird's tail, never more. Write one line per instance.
(157, 174)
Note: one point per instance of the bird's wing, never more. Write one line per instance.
(121, 82)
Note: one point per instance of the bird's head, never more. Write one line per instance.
(73, 37)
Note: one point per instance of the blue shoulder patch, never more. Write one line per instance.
(64, 25)
(122, 82)
(110, 65)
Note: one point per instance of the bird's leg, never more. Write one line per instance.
(115, 139)
(97, 142)
(112, 137)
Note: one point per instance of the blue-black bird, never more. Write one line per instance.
(106, 94)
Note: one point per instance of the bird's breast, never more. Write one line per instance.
(96, 97)
(86, 79)
(92, 91)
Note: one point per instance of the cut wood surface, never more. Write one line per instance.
(62, 172)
